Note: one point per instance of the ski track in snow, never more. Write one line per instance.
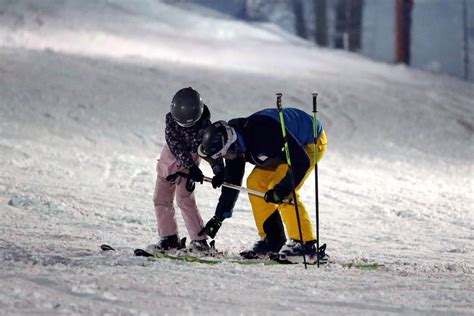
(81, 126)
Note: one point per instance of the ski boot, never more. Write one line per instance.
(263, 248)
(294, 250)
(165, 245)
(200, 247)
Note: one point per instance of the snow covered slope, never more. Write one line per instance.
(84, 88)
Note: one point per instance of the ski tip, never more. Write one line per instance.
(142, 253)
(105, 247)
(322, 248)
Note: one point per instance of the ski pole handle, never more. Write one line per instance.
(315, 102)
(315, 124)
(279, 107)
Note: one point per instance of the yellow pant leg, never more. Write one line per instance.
(287, 211)
(262, 180)
(259, 180)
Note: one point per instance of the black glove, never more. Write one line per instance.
(272, 196)
(195, 174)
(212, 227)
(190, 185)
(172, 177)
(217, 180)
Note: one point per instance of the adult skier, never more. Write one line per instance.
(258, 140)
(185, 124)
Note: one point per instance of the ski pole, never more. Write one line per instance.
(316, 191)
(290, 169)
(236, 187)
(173, 177)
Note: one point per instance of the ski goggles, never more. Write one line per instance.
(187, 124)
(225, 140)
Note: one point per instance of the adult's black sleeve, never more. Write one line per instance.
(234, 173)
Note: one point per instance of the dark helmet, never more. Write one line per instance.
(216, 140)
(187, 107)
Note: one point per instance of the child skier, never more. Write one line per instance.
(257, 139)
(185, 124)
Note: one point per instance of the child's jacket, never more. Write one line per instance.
(183, 141)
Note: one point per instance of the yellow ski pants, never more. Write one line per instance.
(264, 179)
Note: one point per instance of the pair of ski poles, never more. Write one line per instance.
(290, 168)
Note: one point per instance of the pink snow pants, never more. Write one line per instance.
(164, 195)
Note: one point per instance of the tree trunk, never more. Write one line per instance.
(403, 12)
(466, 40)
(354, 23)
(340, 27)
(320, 12)
(300, 24)
(244, 11)
(348, 24)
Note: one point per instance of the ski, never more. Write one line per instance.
(214, 258)
(219, 258)
(206, 260)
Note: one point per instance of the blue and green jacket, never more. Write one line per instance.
(260, 140)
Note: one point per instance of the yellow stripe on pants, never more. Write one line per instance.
(265, 179)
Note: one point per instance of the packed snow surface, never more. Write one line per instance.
(84, 89)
